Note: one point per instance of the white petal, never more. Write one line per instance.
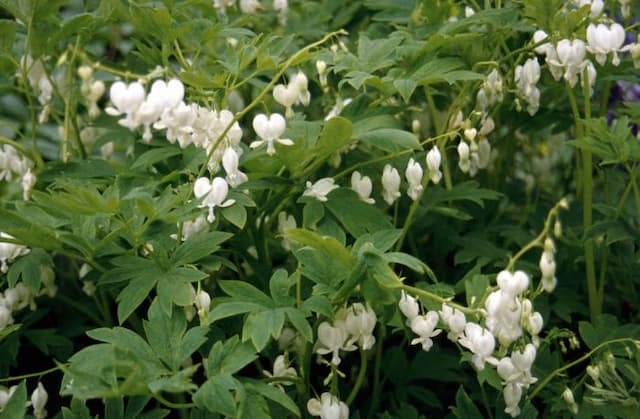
(201, 187)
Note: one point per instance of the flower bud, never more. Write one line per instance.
(567, 395)
(38, 401)
(85, 72)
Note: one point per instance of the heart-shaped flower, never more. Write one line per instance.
(213, 194)
(269, 129)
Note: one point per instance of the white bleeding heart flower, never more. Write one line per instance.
(603, 40)
(433, 164)
(362, 186)
(230, 162)
(390, 184)
(408, 306)
(320, 189)
(269, 129)
(213, 194)
(414, 174)
(328, 407)
(125, 99)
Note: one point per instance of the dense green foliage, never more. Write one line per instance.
(160, 267)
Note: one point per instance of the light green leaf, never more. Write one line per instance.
(133, 295)
(215, 396)
(16, 406)
(405, 87)
(299, 321)
(390, 140)
(236, 215)
(243, 291)
(274, 394)
(230, 356)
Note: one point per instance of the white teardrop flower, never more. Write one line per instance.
(414, 174)
(286, 95)
(479, 341)
(320, 189)
(39, 399)
(390, 184)
(362, 186)
(463, 155)
(213, 194)
(269, 129)
(230, 162)
(603, 40)
(425, 327)
(433, 164)
(328, 407)
(280, 370)
(408, 306)
(360, 322)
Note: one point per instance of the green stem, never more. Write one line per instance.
(172, 405)
(360, 379)
(583, 358)
(375, 394)
(595, 304)
(30, 375)
(435, 297)
(539, 240)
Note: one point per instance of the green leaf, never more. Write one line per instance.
(335, 135)
(214, 395)
(235, 214)
(390, 140)
(16, 406)
(260, 325)
(299, 321)
(232, 308)
(179, 382)
(376, 54)
(356, 216)
(475, 288)
(154, 156)
(230, 356)
(443, 69)
(199, 246)
(79, 410)
(243, 291)
(465, 408)
(279, 287)
(133, 295)
(318, 304)
(29, 268)
(166, 335)
(274, 394)
(7, 35)
(382, 240)
(405, 87)
(325, 244)
(312, 213)
(172, 290)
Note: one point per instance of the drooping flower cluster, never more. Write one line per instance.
(14, 165)
(547, 266)
(12, 300)
(163, 108)
(515, 371)
(491, 91)
(526, 77)
(506, 312)
(351, 326)
(91, 89)
(38, 80)
(474, 150)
